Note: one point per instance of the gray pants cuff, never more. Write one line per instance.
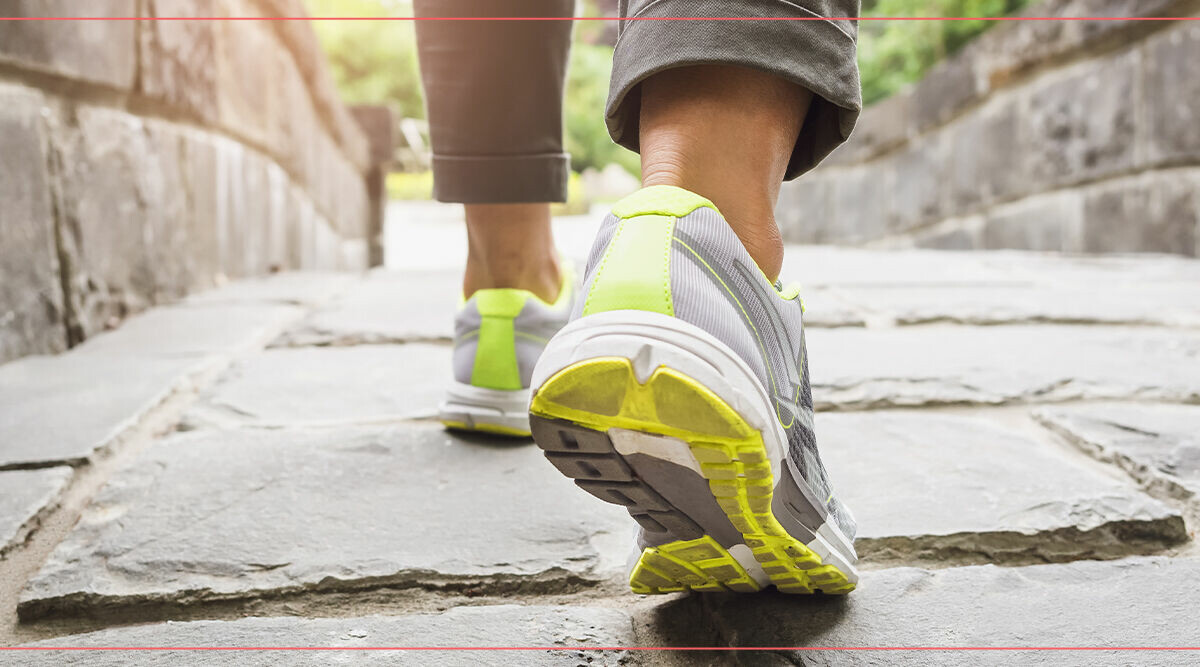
(518, 179)
(819, 55)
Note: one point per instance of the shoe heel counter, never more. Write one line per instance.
(495, 365)
(634, 272)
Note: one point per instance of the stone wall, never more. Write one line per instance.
(1063, 136)
(142, 160)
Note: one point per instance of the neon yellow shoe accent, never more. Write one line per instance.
(496, 356)
(635, 272)
(700, 564)
(485, 428)
(665, 200)
(604, 393)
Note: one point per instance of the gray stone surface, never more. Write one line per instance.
(228, 514)
(1067, 109)
(63, 408)
(1159, 445)
(968, 489)
(1174, 133)
(101, 52)
(947, 365)
(1153, 212)
(1080, 123)
(305, 288)
(177, 58)
(171, 165)
(1158, 305)
(843, 267)
(31, 303)
(386, 307)
(330, 385)
(24, 496)
(559, 629)
(1134, 602)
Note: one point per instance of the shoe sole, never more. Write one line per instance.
(491, 411)
(582, 414)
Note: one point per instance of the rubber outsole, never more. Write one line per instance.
(572, 415)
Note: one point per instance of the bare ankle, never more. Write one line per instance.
(727, 134)
(511, 246)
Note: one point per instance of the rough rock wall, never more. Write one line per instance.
(142, 160)
(1066, 136)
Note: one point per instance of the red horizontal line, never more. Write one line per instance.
(603, 648)
(598, 18)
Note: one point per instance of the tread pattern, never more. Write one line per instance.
(570, 423)
(588, 457)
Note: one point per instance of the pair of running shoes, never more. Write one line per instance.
(674, 382)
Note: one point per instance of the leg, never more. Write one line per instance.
(494, 96)
(730, 109)
(680, 389)
(698, 133)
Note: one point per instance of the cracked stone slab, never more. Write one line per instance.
(329, 385)
(954, 365)
(957, 489)
(386, 307)
(1153, 305)
(305, 288)
(829, 265)
(823, 308)
(25, 495)
(62, 409)
(1132, 602)
(559, 629)
(209, 515)
(1159, 445)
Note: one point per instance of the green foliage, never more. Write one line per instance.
(587, 92)
(373, 62)
(892, 54)
(410, 186)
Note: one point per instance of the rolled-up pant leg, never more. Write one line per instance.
(819, 55)
(493, 93)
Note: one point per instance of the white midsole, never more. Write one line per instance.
(472, 405)
(650, 340)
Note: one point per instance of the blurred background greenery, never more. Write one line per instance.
(376, 63)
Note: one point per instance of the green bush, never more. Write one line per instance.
(892, 54)
(373, 62)
(587, 91)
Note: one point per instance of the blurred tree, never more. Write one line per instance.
(892, 54)
(374, 62)
(587, 92)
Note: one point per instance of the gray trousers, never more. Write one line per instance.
(493, 89)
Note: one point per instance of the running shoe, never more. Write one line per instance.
(680, 390)
(498, 336)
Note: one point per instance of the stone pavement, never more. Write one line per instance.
(258, 465)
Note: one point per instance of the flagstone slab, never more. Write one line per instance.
(1159, 445)
(308, 288)
(958, 365)
(958, 489)
(385, 307)
(329, 385)
(1132, 602)
(1151, 305)
(220, 514)
(559, 629)
(62, 409)
(24, 496)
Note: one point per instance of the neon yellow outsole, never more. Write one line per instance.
(494, 429)
(603, 393)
